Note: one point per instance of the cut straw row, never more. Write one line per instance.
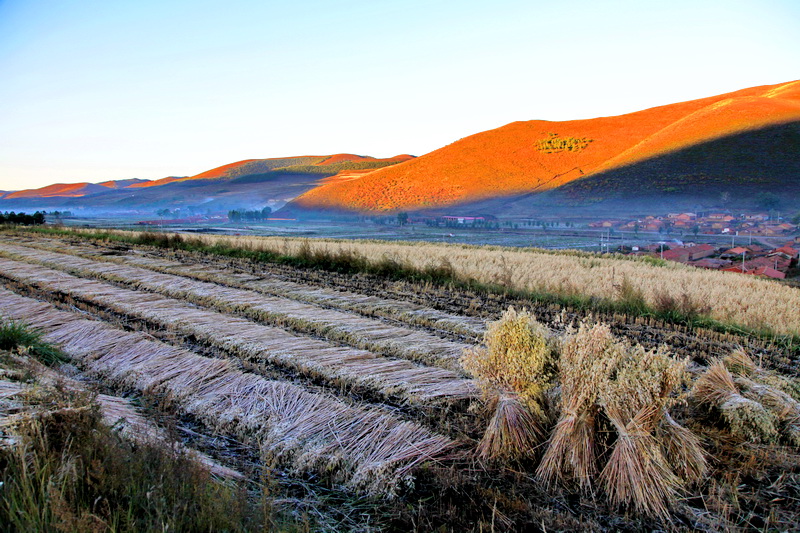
(255, 342)
(116, 412)
(366, 305)
(360, 332)
(365, 449)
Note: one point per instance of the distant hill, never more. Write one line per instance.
(121, 184)
(69, 190)
(249, 183)
(592, 160)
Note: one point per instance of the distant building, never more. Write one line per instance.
(679, 255)
(700, 251)
(762, 271)
(737, 252)
(711, 264)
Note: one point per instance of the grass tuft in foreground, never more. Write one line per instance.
(70, 472)
(16, 336)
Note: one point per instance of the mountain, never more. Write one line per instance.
(589, 159)
(122, 184)
(69, 190)
(244, 184)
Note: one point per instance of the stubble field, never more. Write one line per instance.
(354, 382)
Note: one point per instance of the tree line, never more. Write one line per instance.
(22, 219)
(239, 215)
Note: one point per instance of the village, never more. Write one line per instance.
(778, 261)
(755, 224)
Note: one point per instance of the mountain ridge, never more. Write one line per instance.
(510, 160)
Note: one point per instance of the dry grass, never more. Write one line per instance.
(766, 304)
(755, 403)
(363, 448)
(646, 457)
(360, 332)
(639, 473)
(516, 357)
(587, 358)
(513, 431)
(116, 413)
(745, 417)
(255, 342)
(366, 305)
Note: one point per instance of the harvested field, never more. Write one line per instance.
(697, 343)
(358, 331)
(243, 338)
(277, 285)
(767, 305)
(362, 448)
(355, 383)
(116, 412)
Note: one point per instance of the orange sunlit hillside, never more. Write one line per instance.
(352, 158)
(537, 155)
(153, 183)
(57, 189)
(247, 167)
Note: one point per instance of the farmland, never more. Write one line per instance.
(356, 382)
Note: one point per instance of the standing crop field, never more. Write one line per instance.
(751, 302)
(376, 388)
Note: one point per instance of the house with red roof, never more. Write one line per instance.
(700, 251)
(786, 251)
(679, 255)
(763, 271)
(711, 263)
(737, 252)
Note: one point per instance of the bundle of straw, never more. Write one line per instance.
(587, 358)
(513, 369)
(513, 431)
(745, 417)
(638, 471)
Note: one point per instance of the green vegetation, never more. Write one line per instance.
(22, 219)
(238, 215)
(15, 336)
(768, 200)
(554, 144)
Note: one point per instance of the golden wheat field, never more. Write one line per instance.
(747, 301)
(433, 406)
(751, 302)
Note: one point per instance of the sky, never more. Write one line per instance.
(99, 90)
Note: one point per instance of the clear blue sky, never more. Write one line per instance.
(96, 90)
